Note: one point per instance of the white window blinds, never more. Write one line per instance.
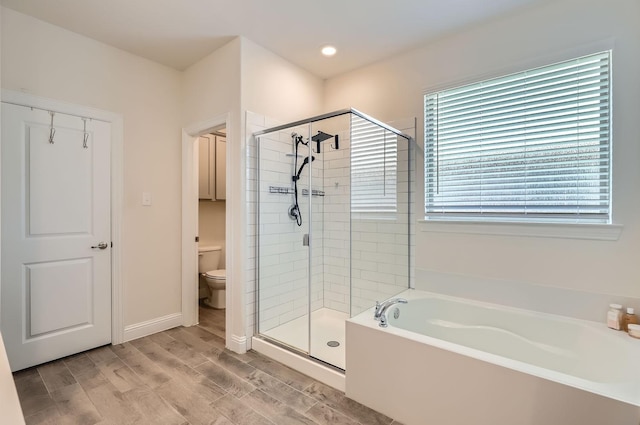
(374, 159)
(530, 146)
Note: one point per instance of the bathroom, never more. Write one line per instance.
(211, 149)
(525, 266)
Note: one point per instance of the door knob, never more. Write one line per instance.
(101, 245)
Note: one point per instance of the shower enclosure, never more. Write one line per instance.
(333, 228)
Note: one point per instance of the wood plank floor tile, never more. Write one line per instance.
(113, 406)
(150, 373)
(281, 391)
(340, 402)
(203, 334)
(287, 375)
(56, 375)
(222, 358)
(191, 340)
(228, 381)
(191, 404)
(181, 373)
(79, 363)
(48, 416)
(120, 375)
(212, 328)
(274, 410)
(101, 354)
(153, 408)
(32, 392)
(239, 413)
(75, 407)
(324, 415)
(172, 353)
(186, 354)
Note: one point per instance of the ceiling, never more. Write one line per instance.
(178, 33)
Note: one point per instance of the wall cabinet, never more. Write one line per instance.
(212, 170)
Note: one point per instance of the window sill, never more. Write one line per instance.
(602, 232)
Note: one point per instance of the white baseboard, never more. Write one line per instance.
(237, 344)
(138, 330)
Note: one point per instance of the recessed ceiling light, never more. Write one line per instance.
(329, 50)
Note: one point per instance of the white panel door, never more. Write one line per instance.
(56, 235)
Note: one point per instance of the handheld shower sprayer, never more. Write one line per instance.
(305, 162)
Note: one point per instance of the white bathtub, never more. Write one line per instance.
(449, 361)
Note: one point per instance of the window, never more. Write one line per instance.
(531, 146)
(374, 159)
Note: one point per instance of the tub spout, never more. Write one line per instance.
(381, 310)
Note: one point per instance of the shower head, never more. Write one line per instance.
(305, 162)
(321, 137)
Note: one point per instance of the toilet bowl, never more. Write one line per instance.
(217, 282)
(211, 276)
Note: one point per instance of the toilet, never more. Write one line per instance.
(214, 278)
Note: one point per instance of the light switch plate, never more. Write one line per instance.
(146, 199)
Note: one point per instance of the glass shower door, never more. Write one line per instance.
(333, 228)
(283, 234)
(330, 229)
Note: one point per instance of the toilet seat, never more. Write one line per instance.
(219, 275)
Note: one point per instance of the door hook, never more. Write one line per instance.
(52, 131)
(86, 135)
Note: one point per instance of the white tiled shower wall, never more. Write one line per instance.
(377, 249)
(336, 186)
(284, 260)
(380, 246)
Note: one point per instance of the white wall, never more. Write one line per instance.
(48, 61)
(210, 90)
(237, 78)
(554, 31)
(276, 88)
(211, 86)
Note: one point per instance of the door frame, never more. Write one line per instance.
(117, 140)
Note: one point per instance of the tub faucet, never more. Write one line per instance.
(381, 309)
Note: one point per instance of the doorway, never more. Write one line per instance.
(190, 225)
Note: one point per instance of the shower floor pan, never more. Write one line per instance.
(327, 329)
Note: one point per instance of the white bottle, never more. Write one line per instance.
(614, 316)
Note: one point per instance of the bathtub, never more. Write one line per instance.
(449, 361)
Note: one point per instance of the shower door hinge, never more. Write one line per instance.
(197, 238)
(305, 239)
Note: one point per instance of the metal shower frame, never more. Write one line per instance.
(256, 135)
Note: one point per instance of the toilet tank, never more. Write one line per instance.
(208, 258)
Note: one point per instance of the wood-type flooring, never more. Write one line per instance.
(179, 377)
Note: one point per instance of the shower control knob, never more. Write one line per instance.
(101, 245)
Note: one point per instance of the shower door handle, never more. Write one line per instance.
(305, 239)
